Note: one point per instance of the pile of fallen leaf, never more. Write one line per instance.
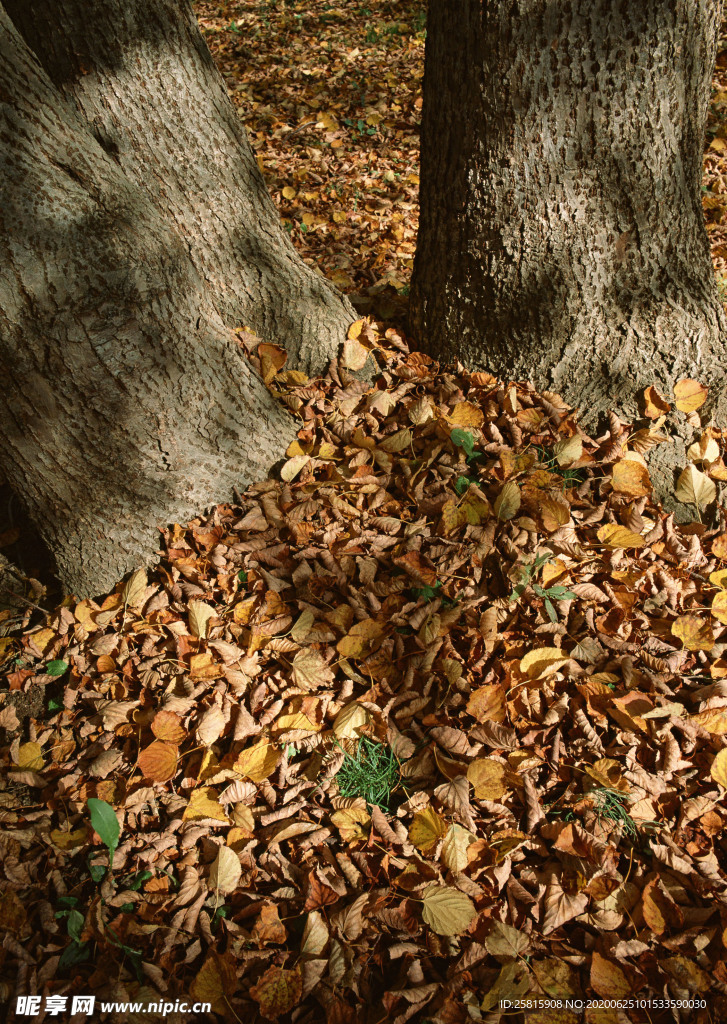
(450, 568)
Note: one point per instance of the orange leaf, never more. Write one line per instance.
(654, 405)
(719, 546)
(168, 726)
(487, 704)
(158, 761)
(269, 927)
(418, 566)
(689, 395)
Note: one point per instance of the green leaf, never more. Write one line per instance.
(75, 924)
(242, 576)
(97, 872)
(552, 614)
(74, 954)
(427, 592)
(68, 901)
(462, 483)
(463, 439)
(105, 823)
(56, 668)
(54, 705)
(138, 880)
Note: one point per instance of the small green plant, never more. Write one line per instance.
(610, 804)
(429, 593)
(106, 824)
(373, 773)
(549, 460)
(78, 950)
(549, 594)
(464, 440)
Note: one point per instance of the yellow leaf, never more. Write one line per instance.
(712, 720)
(200, 614)
(226, 871)
(453, 517)
(447, 911)
(351, 822)
(215, 982)
(350, 721)
(134, 589)
(568, 451)
(396, 442)
(278, 991)
(203, 803)
(487, 776)
(705, 449)
(508, 501)
(354, 354)
(631, 478)
(719, 546)
(355, 329)
(719, 606)
(695, 487)
(465, 414)
(455, 846)
(361, 640)
(68, 840)
(258, 762)
(695, 633)
(614, 536)
(426, 829)
(30, 756)
(475, 507)
(272, 359)
(289, 192)
(689, 395)
(292, 467)
(542, 662)
(718, 770)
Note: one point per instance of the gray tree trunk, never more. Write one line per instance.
(135, 231)
(561, 236)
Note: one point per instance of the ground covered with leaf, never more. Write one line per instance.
(433, 719)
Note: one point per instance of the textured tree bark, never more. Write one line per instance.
(561, 236)
(142, 78)
(128, 403)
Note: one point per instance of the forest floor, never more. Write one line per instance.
(432, 723)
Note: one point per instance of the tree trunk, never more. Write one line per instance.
(561, 236)
(127, 250)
